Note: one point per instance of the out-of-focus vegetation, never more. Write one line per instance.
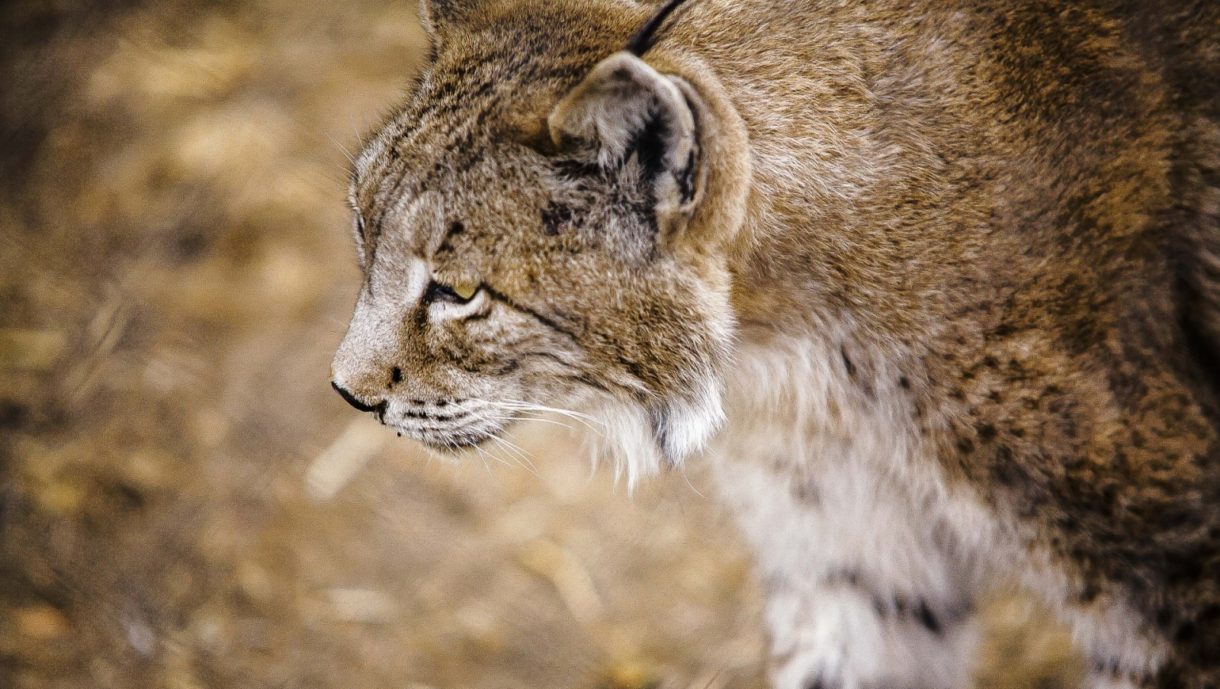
(185, 504)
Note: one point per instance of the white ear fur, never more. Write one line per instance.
(617, 103)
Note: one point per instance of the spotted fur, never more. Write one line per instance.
(933, 286)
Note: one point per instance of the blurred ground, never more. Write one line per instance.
(185, 504)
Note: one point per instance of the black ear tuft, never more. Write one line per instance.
(646, 37)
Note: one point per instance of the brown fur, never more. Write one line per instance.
(1013, 208)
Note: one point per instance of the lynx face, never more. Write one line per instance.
(523, 238)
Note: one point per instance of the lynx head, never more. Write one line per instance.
(545, 223)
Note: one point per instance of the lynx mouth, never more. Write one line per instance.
(466, 441)
(467, 436)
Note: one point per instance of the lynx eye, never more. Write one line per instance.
(458, 293)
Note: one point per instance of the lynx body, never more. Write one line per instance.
(934, 287)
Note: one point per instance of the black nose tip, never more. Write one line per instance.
(351, 399)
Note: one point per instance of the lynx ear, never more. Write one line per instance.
(634, 115)
(437, 14)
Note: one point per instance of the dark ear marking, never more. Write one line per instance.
(649, 144)
(686, 181)
(646, 37)
(632, 117)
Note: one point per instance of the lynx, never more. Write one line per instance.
(933, 287)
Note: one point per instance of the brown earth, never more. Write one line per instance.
(183, 501)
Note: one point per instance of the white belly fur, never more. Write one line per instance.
(824, 479)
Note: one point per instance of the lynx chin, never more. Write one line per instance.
(933, 286)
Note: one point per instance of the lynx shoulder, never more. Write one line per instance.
(933, 286)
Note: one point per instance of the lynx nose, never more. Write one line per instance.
(355, 402)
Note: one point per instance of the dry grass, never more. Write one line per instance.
(183, 503)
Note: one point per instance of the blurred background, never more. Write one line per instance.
(185, 504)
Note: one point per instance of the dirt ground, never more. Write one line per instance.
(183, 501)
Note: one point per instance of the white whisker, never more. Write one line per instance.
(521, 455)
(485, 454)
(537, 419)
(583, 419)
(454, 447)
(540, 407)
